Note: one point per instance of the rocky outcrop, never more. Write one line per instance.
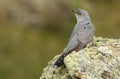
(99, 60)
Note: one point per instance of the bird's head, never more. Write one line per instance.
(81, 14)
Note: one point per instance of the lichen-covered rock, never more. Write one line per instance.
(99, 60)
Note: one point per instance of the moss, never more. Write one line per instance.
(99, 60)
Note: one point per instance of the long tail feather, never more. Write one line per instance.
(60, 60)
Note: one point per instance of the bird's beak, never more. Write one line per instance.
(74, 11)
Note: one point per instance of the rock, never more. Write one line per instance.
(99, 60)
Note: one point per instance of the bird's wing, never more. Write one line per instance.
(72, 44)
(76, 27)
(73, 32)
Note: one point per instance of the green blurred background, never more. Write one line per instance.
(32, 32)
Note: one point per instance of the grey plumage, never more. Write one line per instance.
(82, 34)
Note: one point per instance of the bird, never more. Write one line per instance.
(82, 34)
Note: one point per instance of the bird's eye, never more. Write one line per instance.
(79, 13)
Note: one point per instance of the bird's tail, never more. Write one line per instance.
(60, 60)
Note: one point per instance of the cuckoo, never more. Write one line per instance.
(82, 34)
